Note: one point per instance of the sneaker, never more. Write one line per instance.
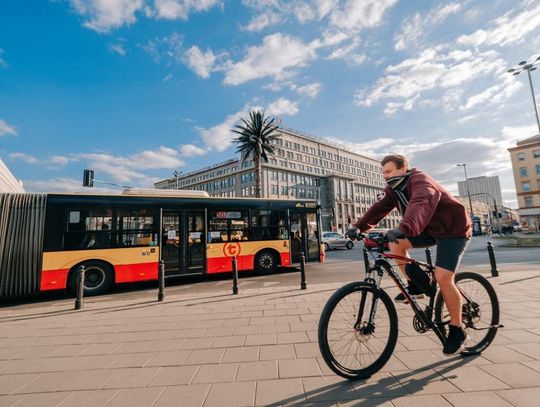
(455, 340)
(413, 291)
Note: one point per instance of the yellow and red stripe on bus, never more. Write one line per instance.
(219, 255)
(130, 264)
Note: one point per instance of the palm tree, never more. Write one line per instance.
(254, 140)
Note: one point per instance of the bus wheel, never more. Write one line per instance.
(98, 278)
(265, 262)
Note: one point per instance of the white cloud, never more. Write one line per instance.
(104, 15)
(51, 162)
(6, 128)
(277, 54)
(24, 157)
(60, 184)
(118, 48)
(511, 28)
(354, 15)
(498, 93)
(311, 90)
(347, 53)
(180, 9)
(413, 28)
(166, 49)
(190, 150)
(282, 107)
(220, 137)
(261, 21)
(200, 62)
(433, 69)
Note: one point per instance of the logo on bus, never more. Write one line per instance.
(231, 249)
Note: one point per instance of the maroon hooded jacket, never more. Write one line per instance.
(431, 209)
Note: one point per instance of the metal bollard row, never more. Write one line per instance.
(161, 277)
(303, 272)
(80, 287)
(235, 276)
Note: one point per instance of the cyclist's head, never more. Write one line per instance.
(394, 165)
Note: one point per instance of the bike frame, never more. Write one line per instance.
(381, 266)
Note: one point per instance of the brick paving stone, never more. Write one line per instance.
(131, 377)
(419, 342)
(292, 337)
(197, 343)
(89, 398)
(426, 381)
(190, 396)
(521, 397)
(281, 392)
(263, 321)
(223, 331)
(472, 378)
(277, 352)
(11, 383)
(247, 330)
(243, 354)
(231, 394)
(298, 368)
(170, 358)
(205, 357)
(275, 328)
(133, 347)
(503, 354)
(373, 402)
(514, 374)
(46, 382)
(476, 399)
(97, 362)
(328, 389)
(257, 371)
(535, 364)
(136, 397)
(261, 339)
(9, 401)
(165, 345)
(530, 349)
(229, 341)
(307, 350)
(132, 360)
(379, 385)
(418, 359)
(236, 322)
(415, 401)
(224, 372)
(174, 375)
(89, 380)
(44, 399)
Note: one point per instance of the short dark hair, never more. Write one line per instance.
(400, 161)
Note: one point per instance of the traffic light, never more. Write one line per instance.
(88, 178)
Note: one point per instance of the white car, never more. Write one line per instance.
(333, 240)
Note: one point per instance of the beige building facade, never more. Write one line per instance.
(306, 167)
(8, 182)
(526, 166)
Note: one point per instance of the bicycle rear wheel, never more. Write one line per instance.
(480, 310)
(351, 346)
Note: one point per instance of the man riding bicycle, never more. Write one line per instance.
(431, 215)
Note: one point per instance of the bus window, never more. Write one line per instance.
(224, 226)
(313, 236)
(88, 229)
(135, 228)
(269, 225)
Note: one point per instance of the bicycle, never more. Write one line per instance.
(357, 336)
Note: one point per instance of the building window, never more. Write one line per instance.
(523, 171)
(528, 201)
(536, 153)
(537, 169)
(526, 187)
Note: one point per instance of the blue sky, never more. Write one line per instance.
(136, 89)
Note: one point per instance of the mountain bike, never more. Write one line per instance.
(358, 328)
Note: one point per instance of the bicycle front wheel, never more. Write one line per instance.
(480, 311)
(358, 330)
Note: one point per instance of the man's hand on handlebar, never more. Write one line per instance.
(395, 234)
(354, 233)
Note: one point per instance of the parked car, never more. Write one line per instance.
(370, 243)
(333, 240)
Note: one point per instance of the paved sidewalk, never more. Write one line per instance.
(257, 348)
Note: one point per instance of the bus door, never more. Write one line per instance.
(183, 242)
(171, 242)
(196, 239)
(305, 236)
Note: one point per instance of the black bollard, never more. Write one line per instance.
(494, 271)
(80, 287)
(428, 257)
(303, 271)
(161, 277)
(234, 276)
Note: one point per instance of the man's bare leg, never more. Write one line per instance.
(450, 293)
(401, 247)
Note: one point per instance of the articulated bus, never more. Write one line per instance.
(121, 238)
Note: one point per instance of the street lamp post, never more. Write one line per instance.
(528, 66)
(177, 174)
(464, 165)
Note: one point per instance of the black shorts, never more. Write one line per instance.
(450, 250)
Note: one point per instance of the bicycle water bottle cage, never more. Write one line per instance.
(420, 278)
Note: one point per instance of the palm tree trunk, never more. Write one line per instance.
(257, 163)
